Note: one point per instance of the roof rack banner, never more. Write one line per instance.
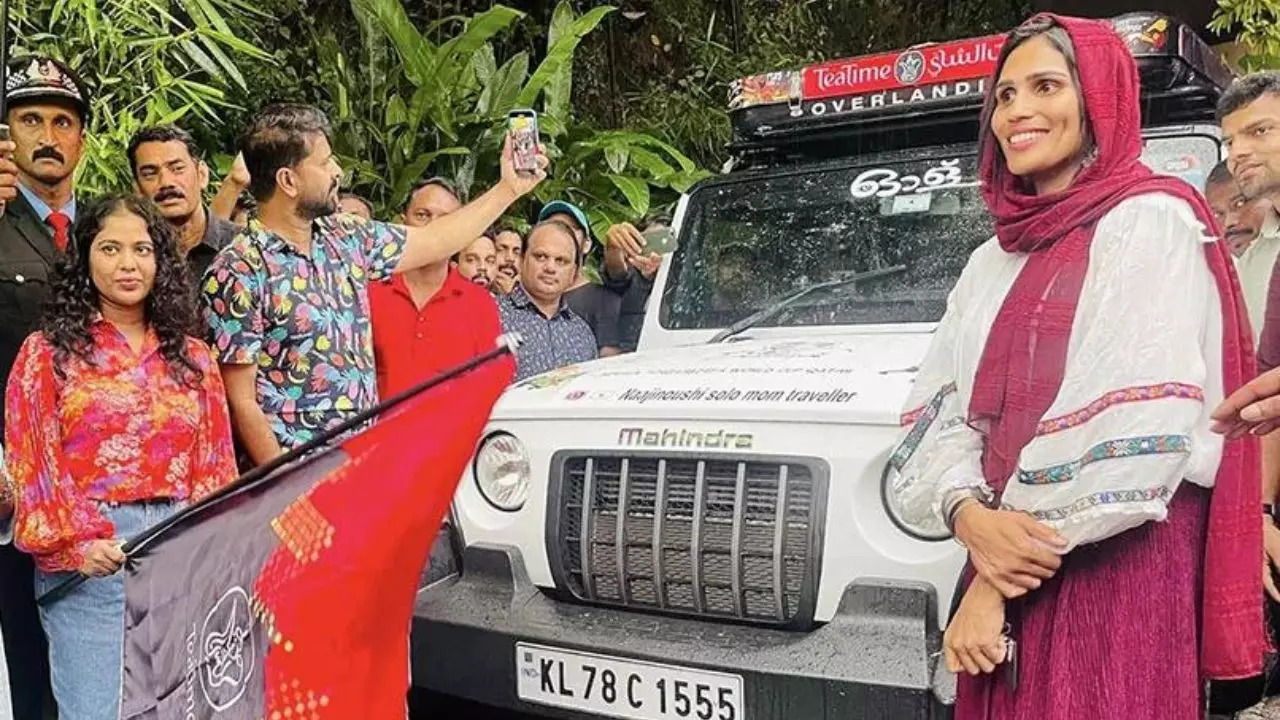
(968, 59)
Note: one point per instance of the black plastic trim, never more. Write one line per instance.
(818, 468)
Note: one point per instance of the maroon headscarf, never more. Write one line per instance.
(1024, 359)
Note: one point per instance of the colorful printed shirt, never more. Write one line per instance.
(549, 342)
(117, 429)
(303, 319)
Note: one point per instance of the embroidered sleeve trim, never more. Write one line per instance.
(1118, 397)
(1103, 499)
(1120, 448)
(923, 418)
(911, 416)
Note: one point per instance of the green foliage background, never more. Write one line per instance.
(631, 98)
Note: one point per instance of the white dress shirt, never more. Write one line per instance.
(1254, 266)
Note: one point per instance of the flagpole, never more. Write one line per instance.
(507, 345)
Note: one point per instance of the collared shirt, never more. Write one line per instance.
(549, 343)
(410, 344)
(1254, 267)
(303, 319)
(118, 428)
(43, 211)
(217, 235)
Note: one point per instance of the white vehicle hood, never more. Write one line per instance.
(860, 378)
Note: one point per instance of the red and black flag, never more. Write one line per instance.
(291, 596)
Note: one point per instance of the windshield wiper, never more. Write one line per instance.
(772, 311)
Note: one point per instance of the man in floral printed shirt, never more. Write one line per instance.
(286, 300)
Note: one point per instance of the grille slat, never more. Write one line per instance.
(620, 537)
(735, 552)
(587, 526)
(659, 516)
(704, 536)
(695, 535)
(779, 535)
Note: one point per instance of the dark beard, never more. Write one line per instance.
(315, 209)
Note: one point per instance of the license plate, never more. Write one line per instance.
(624, 688)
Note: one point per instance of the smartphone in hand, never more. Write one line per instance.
(522, 126)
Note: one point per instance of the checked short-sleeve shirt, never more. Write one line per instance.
(303, 319)
(549, 342)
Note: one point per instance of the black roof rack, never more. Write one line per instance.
(937, 89)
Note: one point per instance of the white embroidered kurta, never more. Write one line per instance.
(1143, 372)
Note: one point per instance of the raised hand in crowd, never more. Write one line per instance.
(233, 185)
(8, 171)
(623, 242)
(647, 265)
(1254, 408)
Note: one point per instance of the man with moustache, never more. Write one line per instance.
(478, 262)
(1249, 225)
(48, 107)
(287, 301)
(508, 243)
(167, 169)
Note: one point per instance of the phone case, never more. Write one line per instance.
(524, 140)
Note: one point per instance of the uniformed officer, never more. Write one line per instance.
(47, 111)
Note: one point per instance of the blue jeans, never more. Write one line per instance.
(86, 628)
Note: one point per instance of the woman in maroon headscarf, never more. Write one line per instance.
(1069, 385)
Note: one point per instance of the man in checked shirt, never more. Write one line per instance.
(554, 335)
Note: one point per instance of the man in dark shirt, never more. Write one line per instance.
(554, 335)
(167, 169)
(47, 112)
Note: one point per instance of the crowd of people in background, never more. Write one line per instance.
(155, 344)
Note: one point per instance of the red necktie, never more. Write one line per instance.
(60, 223)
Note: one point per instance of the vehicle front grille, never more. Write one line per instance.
(738, 539)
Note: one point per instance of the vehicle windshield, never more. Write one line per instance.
(744, 245)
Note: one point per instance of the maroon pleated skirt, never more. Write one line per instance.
(1115, 635)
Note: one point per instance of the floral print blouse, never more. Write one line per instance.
(117, 429)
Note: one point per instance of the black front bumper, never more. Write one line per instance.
(873, 660)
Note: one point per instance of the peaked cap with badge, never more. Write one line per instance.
(35, 78)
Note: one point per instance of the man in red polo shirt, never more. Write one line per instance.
(430, 319)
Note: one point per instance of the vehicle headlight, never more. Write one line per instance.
(502, 471)
(922, 526)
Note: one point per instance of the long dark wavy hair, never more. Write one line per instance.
(169, 308)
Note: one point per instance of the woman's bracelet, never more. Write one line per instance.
(956, 500)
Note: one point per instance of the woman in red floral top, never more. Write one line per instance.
(115, 419)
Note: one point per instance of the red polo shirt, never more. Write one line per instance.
(409, 345)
